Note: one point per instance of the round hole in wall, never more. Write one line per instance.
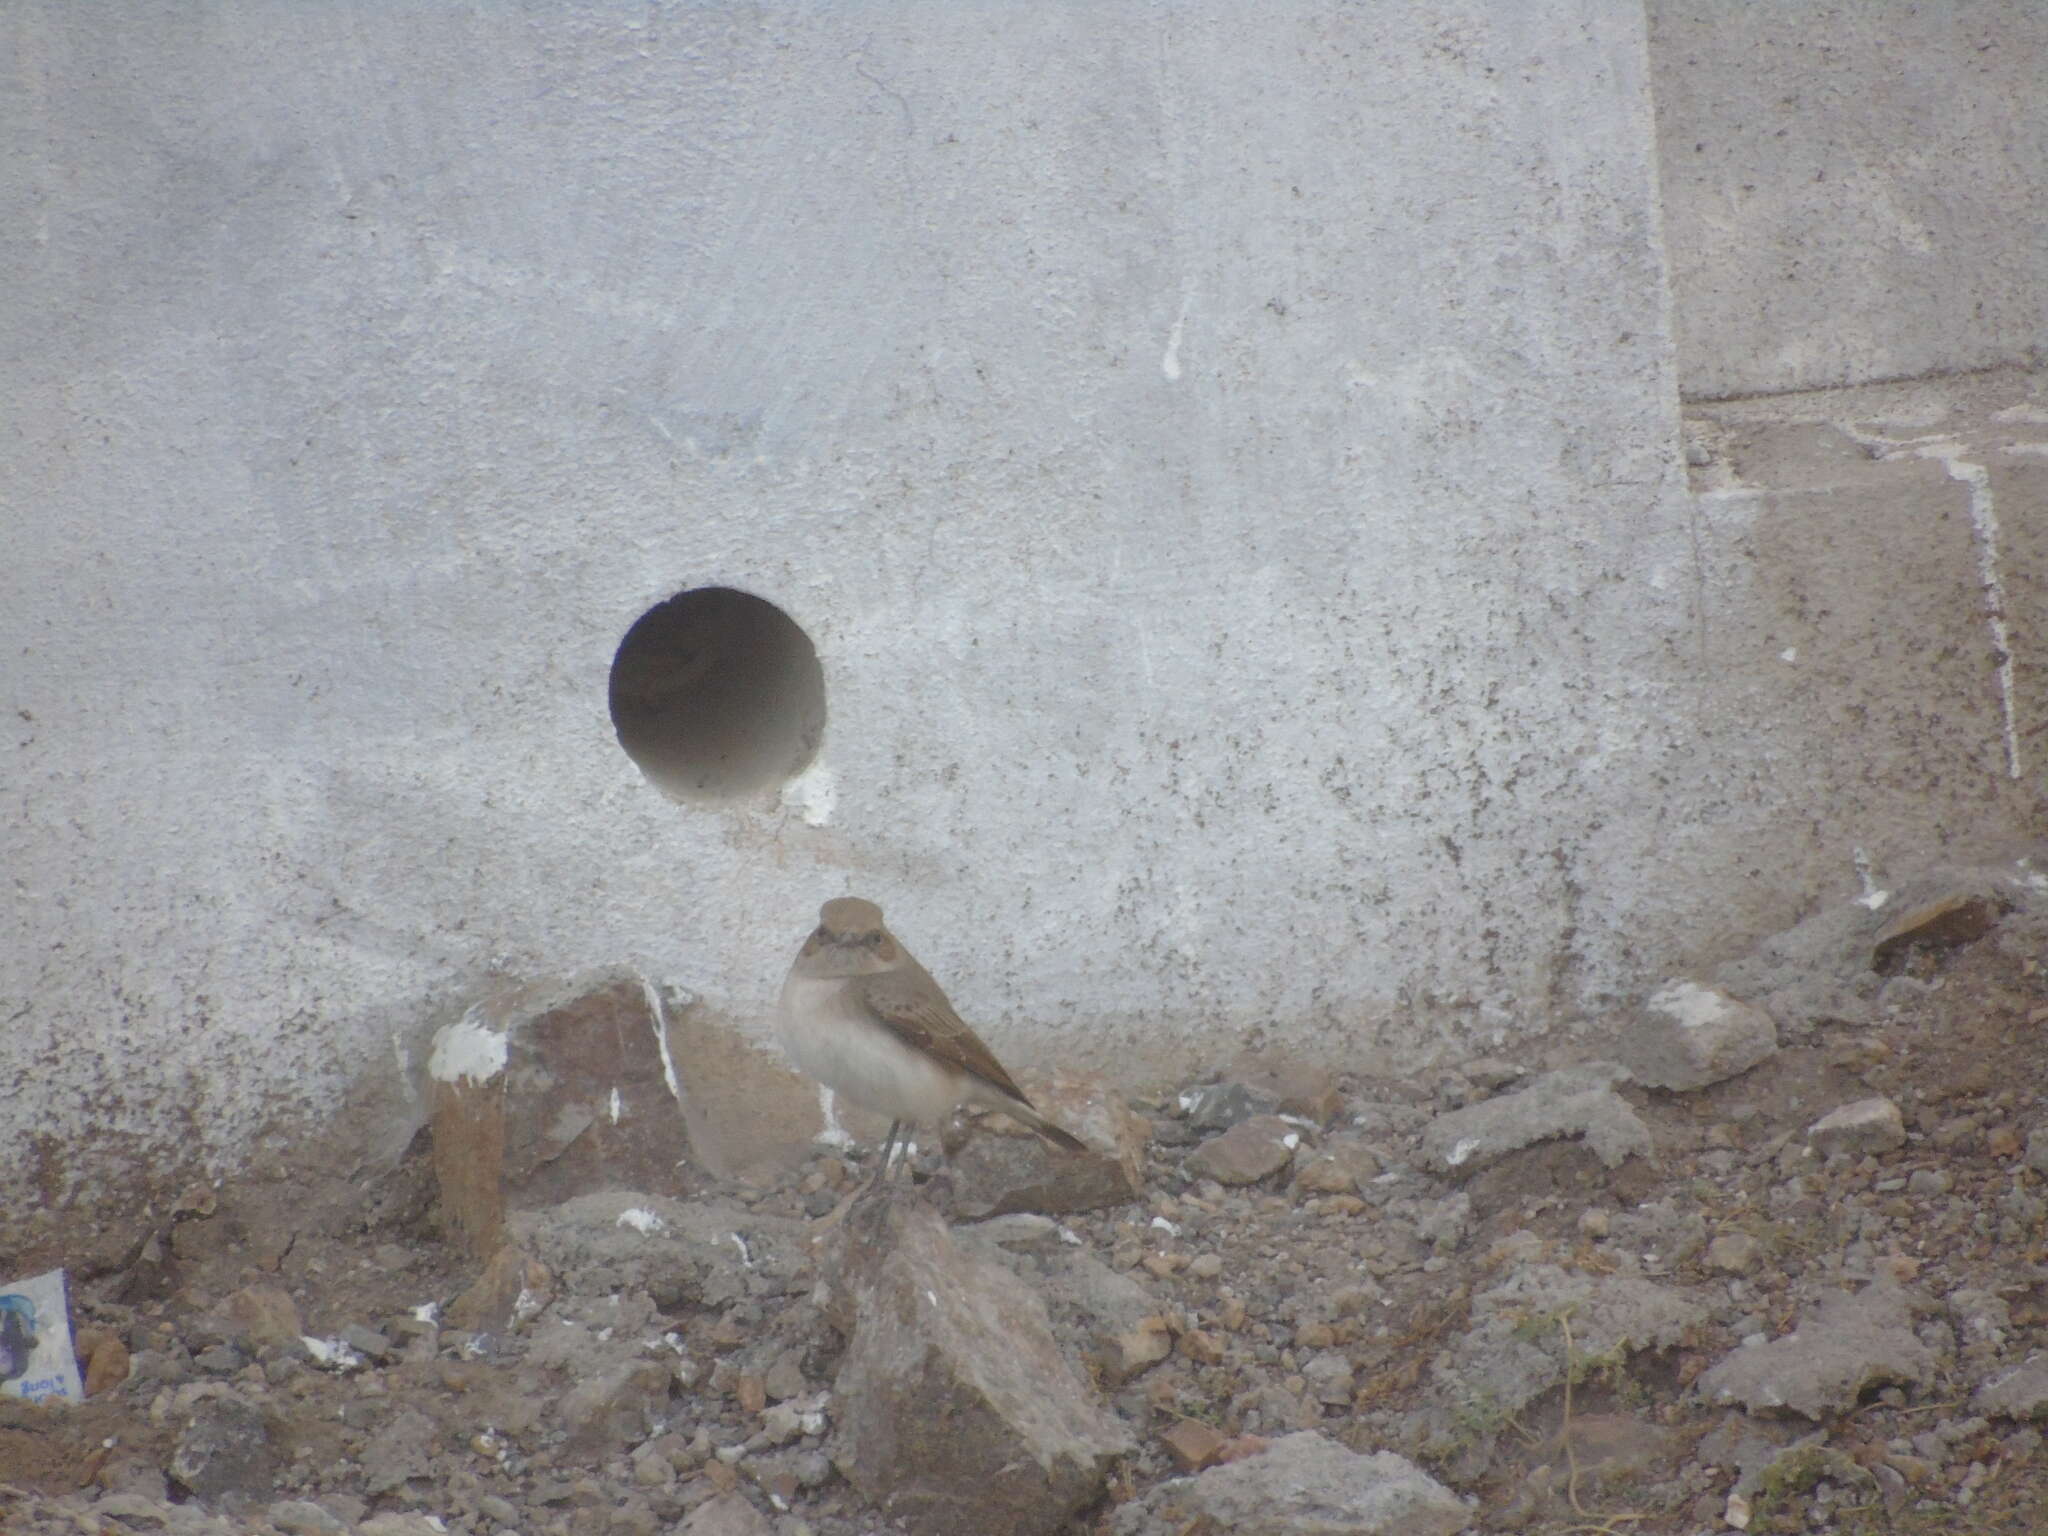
(717, 693)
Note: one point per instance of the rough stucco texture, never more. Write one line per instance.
(1227, 470)
(1852, 192)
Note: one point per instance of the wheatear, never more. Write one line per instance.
(866, 1020)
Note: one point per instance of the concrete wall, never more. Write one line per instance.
(1852, 192)
(1226, 470)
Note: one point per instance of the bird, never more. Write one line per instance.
(859, 1014)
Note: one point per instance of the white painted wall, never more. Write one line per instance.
(1225, 462)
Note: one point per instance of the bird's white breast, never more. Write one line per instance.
(831, 1035)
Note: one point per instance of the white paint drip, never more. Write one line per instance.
(1170, 363)
(1984, 519)
(618, 1107)
(1790, 653)
(643, 1221)
(1163, 1225)
(834, 1135)
(814, 793)
(468, 1049)
(404, 1059)
(1872, 897)
(746, 1258)
(668, 1063)
(1464, 1149)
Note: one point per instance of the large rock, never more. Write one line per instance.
(1577, 1101)
(1850, 1344)
(570, 1085)
(1690, 1036)
(996, 1174)
(957, 1410)
(1305, 1484)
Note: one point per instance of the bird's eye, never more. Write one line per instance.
(873, 941)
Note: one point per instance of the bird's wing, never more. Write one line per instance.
(916, 1011)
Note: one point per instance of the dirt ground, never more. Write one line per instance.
(1358, 1290)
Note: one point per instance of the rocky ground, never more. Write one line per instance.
(1770, 1253)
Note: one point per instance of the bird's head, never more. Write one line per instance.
(850, 940)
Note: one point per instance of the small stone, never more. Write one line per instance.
(615, 1408)
(226, 1450)
(1733, 1253)
(2037, 1149)
(1928, 1181)
(1948, 923)
(1219, 1106)
(1490, 1074)
(2002, 1142)
(493, 1507)
(1124, 1355)
(1194, 1445)
(751, 1392)
(1689, 1037)
(1296, 1087)
(367, 1342)
(727, 1515)
(1868, 1125)
(399, 1452)
(266, 1315)
(398, 1523)
(302, 1517)
(1249, 1151)
(1594, 1223)
(1201, 1346)
(1343, 1166)
(1330, 1378)
(1206, 1266)
(106, 1363)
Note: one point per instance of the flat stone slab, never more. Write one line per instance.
(1849, 1345)
(1577, 1101)
(1516, 1349)
(1305, 1484)
(2021, 1393)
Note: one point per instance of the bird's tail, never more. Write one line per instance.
(1052, 1134)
